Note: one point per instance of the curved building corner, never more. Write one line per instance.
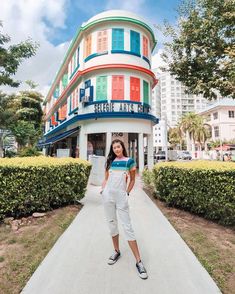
(103, 90)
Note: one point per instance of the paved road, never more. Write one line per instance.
(78, 261)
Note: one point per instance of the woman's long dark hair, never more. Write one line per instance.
(112, 155)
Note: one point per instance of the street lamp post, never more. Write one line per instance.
(165, 138)
(220, 138)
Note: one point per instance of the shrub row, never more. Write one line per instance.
(202, 187)
(40, 183)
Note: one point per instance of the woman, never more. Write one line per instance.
(115, 192)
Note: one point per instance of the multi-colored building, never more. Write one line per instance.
(103, 89)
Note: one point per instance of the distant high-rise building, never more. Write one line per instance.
(171, 102)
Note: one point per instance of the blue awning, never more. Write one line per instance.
(57, 138)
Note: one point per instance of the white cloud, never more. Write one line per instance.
(26, 18)
(157, 60)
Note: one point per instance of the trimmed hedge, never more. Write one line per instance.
(202, 187)
(40, 183)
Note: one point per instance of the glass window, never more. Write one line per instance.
(231, 114)
(208, 117)
(216, 131)
(215, 115)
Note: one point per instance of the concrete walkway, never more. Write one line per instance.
(78, 261)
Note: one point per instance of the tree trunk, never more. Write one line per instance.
(188, 141)
(193, 149)
(1, 145)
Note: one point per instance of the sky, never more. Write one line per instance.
(54, 23)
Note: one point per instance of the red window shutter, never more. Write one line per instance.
(105, 41)
(73, 100)
(102, 41)
(76, 98)
(99, 42)
(145, 47)
(87, 46)
(117, 87)
(134, 89)
(60, 114)
(53, 121)
(63, 112)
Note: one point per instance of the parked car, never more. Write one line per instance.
(161, 155)
(185, 155)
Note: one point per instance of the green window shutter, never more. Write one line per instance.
(57, 92)
(117, 39)
(135, 42)
(101, 88)
(146, 92)
(65, 80)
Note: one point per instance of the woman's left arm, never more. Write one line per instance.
(132, 181)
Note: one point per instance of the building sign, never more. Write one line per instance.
(120, 107)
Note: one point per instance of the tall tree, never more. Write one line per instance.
(195, 130)
(6, 114)
(201, 50)
(176, 137)
(22, 115)
(26, 123)
(12, 57)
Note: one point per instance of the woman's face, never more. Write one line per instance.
(117, 149)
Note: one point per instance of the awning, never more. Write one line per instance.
(223, 148)
(57, 138)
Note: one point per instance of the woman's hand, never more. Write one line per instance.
(132, 182)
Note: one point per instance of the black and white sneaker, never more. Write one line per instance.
(114, 257)
(141, 270)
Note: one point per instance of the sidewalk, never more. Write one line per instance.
(78, 261)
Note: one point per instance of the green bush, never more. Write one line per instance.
(10, 153)
(204, 188)
(29, 151)
(148, 178)
(40, 184)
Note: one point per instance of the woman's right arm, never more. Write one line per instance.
(105, 179)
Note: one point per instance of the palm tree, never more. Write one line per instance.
(188, 125)
(175, 137)
(194, 128)
(202, 133)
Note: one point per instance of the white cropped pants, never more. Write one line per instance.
(115, 200)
